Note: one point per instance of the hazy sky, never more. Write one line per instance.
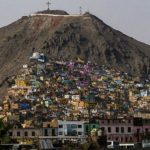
(132, 17)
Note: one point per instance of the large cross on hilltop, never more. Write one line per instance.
(48, 4)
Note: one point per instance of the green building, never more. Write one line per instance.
(88, 127)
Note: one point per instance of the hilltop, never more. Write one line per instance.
(54, 12)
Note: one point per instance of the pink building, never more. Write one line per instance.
(130, 130)
(119, 130)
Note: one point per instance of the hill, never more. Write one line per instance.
(60, 35)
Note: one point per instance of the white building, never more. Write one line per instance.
(70, 128)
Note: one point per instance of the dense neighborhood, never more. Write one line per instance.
(57, 100)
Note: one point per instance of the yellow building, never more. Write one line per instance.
(53, 124)
(77, 104)
(21, 83)
(14, 106)
(6, 105)
(27, 124)
(15, 91)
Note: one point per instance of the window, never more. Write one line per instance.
(79, 126)
(131, 139)
(79, 133)
(18, 133)
(103, 129)
(60, 133)
(60, 126)
(138, 130)
(122, 129)
(121, 139)
(45, 132)
(129, 121)
(129, 129)
(10, 133)
(74, 126)
(109, 129)
(117, 129)
(102, 122)
(108, 121)
(146, 130)
(33, 133)
(53, 132)
(87, 128)
(25, 133)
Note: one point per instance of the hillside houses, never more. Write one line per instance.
(73, 92)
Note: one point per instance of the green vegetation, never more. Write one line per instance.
(3, 132)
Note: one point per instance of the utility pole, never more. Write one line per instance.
(48, 4)
(80, 8)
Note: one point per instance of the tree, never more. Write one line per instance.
(3, 132)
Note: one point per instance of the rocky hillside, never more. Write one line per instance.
(70, 37)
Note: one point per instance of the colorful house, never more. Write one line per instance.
(88, 127)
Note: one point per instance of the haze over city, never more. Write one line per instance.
(130, 17)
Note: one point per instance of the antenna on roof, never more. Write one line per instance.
(80, 10)
(48, 4)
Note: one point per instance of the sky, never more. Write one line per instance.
(131, 17)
